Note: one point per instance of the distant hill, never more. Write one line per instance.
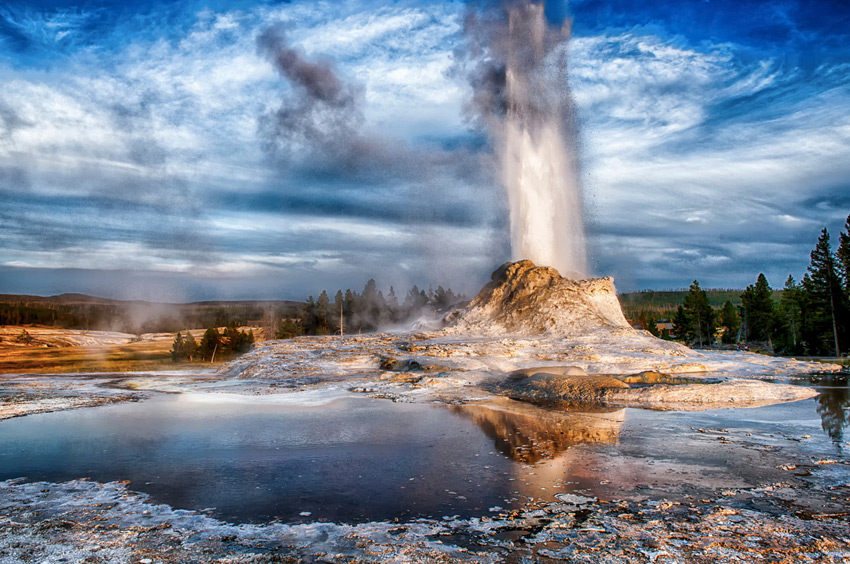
(662, 304)
(79, 311)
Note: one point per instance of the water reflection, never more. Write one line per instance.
(529, 434)
(833, 404)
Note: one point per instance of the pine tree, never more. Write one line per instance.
(730, 321)
(824, 299)
(210, 344)
(309, 320)
(287, 330)
(699, 316)
(190, 346)
(652, 327)
(177, 348)
(680, 324)
(757, 300)
(230, 339)
(789, 318)
(843, 254)
(350, 303)
(323, 306)
(392, 305)
(339, 308)
(244, 342)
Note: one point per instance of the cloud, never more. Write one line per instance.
(673, 133)
(151, 138)
(135, 156)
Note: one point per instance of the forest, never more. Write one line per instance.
(352, 312)
(809, 317)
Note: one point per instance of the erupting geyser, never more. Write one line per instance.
(539, 162)
(521, 91)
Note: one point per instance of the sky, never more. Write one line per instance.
(184, 150)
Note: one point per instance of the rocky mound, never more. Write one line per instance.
(569, 387)
(526, 299)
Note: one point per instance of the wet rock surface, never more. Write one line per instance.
(569, 386)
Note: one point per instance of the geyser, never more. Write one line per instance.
(522, 93)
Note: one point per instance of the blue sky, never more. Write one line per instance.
(139, 156)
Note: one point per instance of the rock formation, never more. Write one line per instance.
(524, 299)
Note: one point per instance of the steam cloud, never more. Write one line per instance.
(323, 111)
(319, 132)
(516, 64)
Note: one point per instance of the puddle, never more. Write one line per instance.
(356, 459)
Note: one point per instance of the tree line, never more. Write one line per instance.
(352, 312)
(811, 316)
(124, 317)
(214, 344)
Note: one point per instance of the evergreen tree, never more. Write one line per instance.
(392, 305)
(444, 298)
(757, 301)
(339, 307)
(244, 342)
(843, 254)
(287, 330)
(731, 323)
(697, 317)
(652, 327)
(415, 300)
(190, 346)
(177, 350)
(210, 344)
(824, 300)
(309, 320)
(230, 339)
(789, 318)
(350, 303)
(323, 306)
(680, 324)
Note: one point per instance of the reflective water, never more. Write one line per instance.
(359, 459)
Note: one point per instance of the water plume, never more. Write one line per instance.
(522, 96)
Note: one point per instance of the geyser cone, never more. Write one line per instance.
(524, 299)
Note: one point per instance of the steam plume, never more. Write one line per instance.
(323, 111)
(521, 97)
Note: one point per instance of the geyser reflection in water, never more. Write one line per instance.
(529, 434)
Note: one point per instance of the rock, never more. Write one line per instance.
(569, 387)
(524, 299)
(559, 384)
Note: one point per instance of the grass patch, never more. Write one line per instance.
(132, 357)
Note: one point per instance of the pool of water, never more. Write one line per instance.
(358, 459)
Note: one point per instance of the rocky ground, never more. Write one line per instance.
(421, 367)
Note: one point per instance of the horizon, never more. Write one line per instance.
(330, 293)
(139, 159)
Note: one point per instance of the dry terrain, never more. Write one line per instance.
(54, 350)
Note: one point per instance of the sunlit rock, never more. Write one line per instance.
(524, 299)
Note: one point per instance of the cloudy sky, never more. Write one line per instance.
(209, 149)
